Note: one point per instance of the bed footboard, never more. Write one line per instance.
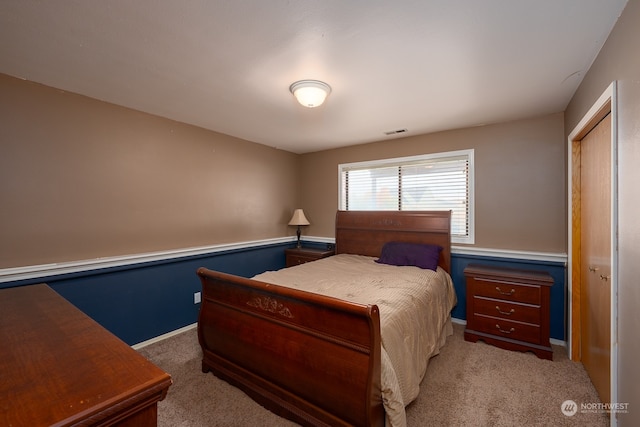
(309, 358)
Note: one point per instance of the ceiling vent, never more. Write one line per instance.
(395, 132)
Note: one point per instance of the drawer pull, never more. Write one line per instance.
(506, 313)
(511, 292)
(503, 331)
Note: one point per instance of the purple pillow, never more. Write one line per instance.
(416, 254)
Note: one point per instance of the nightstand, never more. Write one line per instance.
(509, 308)
(297, 256)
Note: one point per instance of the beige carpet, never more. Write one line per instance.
(466, 384)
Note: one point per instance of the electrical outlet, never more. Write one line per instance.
(196, 298)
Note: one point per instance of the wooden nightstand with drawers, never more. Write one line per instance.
(509, 308)
(298, 256)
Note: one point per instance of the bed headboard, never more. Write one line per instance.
(365, 232)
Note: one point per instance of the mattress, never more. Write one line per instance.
(415, 306)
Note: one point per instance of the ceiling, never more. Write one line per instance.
(420, 65)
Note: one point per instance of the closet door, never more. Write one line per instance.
(595, 232)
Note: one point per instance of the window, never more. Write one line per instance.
(442, 181)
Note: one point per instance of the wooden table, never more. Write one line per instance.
(59, 367)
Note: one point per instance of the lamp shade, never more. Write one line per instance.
(298, 218)
(310, 93)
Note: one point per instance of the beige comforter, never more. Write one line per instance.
(415, 306)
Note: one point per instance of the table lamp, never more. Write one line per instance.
(298, 219)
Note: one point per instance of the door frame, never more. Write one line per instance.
(607, 103)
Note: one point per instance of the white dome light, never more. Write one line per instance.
(310, 93)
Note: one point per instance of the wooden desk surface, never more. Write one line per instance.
(59, 367)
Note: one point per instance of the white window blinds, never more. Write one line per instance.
(442, 181)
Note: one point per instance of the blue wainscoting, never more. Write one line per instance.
(557, 270)
(139, 301)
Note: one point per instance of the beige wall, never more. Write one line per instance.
(619, 60)
(519, 180)
(81, 179)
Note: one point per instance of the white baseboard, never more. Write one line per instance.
(195, 325)
(458, 321)
(163, 336)
(558, 342)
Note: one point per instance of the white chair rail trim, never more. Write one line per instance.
(54, 269)
(507, 253)
(485, 252)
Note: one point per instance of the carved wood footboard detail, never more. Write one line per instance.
(307, 357)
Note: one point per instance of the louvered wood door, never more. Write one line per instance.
(595, 287)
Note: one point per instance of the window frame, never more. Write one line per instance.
(399, 161)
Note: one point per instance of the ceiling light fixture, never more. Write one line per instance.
(310, 93)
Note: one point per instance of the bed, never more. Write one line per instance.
(323, 356)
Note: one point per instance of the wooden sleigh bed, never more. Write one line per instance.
(311, 358)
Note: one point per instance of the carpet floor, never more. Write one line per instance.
(467, 384)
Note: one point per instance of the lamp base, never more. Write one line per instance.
(298, 234)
